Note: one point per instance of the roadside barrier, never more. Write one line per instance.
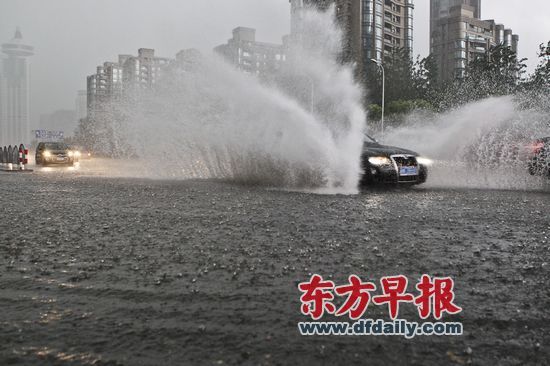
(14, 159)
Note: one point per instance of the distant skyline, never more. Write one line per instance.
(72, 37)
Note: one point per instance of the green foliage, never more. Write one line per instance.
(496, 73)
(85, 133)
(398, 107)
(541, 77)
(409, 85)
(375, 112)
(425, 78)
(499, 72)
(399, 83)
(406, 106)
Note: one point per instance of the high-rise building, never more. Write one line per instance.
(14, 94)
(104, 86)
(441, 9)
(113, 80)
(458, 35)
(373, 29)
(251, 56)
(141, 71)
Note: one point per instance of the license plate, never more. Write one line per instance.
(61, 159)
(408, 171)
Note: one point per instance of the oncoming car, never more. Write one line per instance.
(54, 153)
(392, 165)
(80, 153)
(540, 160)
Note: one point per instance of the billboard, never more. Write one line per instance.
(48, 135)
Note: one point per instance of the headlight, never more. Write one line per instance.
(71, 153)
(77, 154)
(47, 154)
(379, 160)
(424, 161)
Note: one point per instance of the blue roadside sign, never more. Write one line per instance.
(48, 135)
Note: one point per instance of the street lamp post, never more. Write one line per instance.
(379, 63)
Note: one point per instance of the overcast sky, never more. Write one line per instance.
(72, 37)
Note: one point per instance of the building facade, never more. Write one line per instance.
(15, 92)
(115, 80)
(141, 71)
(373, 29)
(441, 9)
(458, 36)
(251, 56)
(103, 87)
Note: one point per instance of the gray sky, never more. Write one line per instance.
(72, 37)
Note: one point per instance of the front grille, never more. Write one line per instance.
(405, 161)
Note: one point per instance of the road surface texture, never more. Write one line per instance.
(119, 271)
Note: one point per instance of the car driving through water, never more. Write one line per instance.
(54, 153)
(539, 163)
(392, 165)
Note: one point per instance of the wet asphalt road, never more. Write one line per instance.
(118, 271)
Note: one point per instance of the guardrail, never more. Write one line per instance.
(13, 158)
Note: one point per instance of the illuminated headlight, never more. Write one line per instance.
(77, 154)
(47, 154)
(424, 161)
(379, 160)
(71, 154)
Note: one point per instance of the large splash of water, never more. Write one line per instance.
(302, 130)
(485, 144)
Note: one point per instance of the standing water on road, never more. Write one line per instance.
(208, 120)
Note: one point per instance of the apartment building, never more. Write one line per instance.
(113, 80)
(373, 29)
(458, 36)
(251, 56)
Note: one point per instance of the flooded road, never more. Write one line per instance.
(111, 270)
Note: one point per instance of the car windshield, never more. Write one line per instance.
(56, 146)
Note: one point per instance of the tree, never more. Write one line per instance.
(85, 133)
(496, 73)
(425, 78)
(541, 77)
(409, 85)
(399, 84)
(536, 92)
